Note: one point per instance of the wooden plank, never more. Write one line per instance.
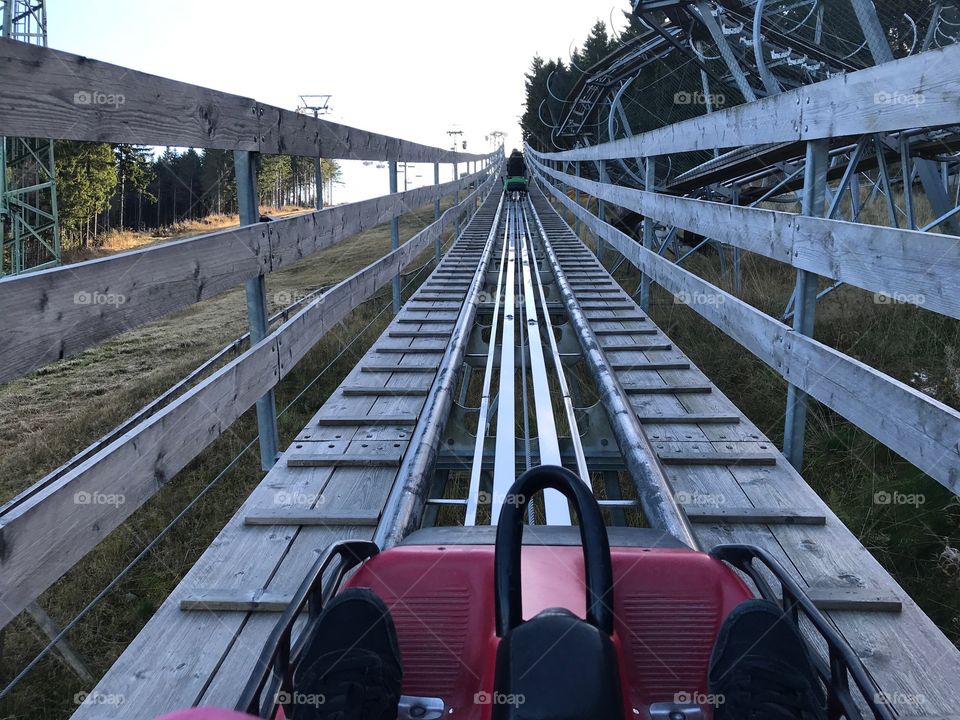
(313, 516)
(622, 331)
(638, 347)
(390, 391)
(234, 601)
(750, 514)
(921, 429)
(66, 98)
(386, 420)
(667, 389)
(55, 313)
(719, 458)
(416, 350)
(901, 265)
(842, 105)
(420, 333)
(398, 368)
(357, 460)
(689, 418)
(839, 598)
(651, 365)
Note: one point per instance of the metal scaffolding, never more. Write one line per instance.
(28, 193)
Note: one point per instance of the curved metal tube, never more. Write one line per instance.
(769, 81)
(614, 105)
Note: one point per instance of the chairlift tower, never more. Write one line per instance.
(29, 225)
(317, 105)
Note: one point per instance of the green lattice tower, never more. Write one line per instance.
(28, 192)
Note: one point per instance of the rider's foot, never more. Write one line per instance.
(760, 668)
(351, 670)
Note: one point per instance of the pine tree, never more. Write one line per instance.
(86, 178)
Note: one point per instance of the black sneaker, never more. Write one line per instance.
(351, 669)
(760, 668)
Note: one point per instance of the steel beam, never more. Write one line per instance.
(395, 235)
(814, 197)
(245, 169)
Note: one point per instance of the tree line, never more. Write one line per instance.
(102, 186)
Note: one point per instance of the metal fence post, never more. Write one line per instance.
(395, 235)
(245, 169)
(436, 210)
(649, 184)
(814, 195)
(576, 197)
(601, 210)
(456, 200)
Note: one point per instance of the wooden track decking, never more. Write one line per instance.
(330, 484)
(724, 470)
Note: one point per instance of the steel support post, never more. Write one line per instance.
(576, 197)
(906, 168)
(395, 235)
(716, 32)
(245, 169)
(601, 210)
(456, 198)
(814, 196)
(649, 184)
(735, 251)
(436, 211)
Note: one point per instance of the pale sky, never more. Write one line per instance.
(410, 69)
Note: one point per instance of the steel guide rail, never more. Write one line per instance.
(656, 496)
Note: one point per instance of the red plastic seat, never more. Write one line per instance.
(669, 604)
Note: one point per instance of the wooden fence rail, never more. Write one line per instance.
(71, 97)
(919, 267)
(46, 534)
(55, 313)
(908, 93)
(919, 428)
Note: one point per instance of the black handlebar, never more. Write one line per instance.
(593, 535)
